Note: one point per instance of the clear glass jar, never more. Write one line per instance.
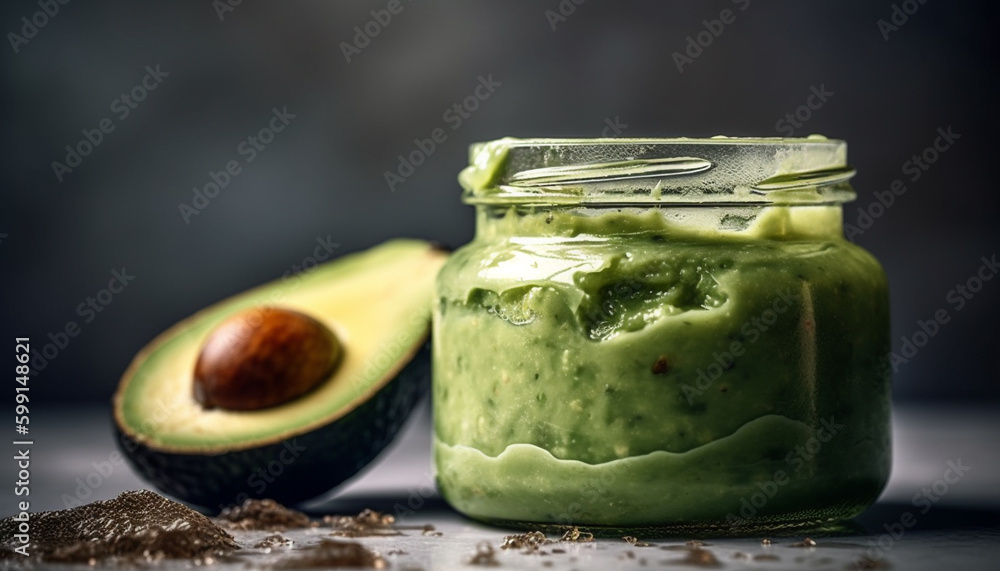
(661, 335)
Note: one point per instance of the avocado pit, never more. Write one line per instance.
(263, 357)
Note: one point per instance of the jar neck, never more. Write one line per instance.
(678, 223)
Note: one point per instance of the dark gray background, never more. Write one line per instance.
(323, 175)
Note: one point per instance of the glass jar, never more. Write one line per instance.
(661, 335)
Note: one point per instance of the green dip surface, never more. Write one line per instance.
(659, 365)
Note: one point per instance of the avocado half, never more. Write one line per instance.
(378, 304)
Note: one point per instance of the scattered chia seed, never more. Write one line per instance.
(485, 555)
(263, 514)
(136, 527)
(332, 553)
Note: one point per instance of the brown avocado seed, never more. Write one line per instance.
(261, 358)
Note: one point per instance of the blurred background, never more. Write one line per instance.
(156, 97)
(161, 156)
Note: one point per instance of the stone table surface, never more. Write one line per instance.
(961, 530)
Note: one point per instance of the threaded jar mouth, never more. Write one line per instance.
(678, 171)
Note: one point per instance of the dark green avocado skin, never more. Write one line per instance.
(291, 471)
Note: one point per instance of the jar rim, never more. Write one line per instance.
(718, 170)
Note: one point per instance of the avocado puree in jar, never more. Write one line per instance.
(623, 366)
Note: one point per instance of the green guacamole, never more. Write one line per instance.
(717, 368)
